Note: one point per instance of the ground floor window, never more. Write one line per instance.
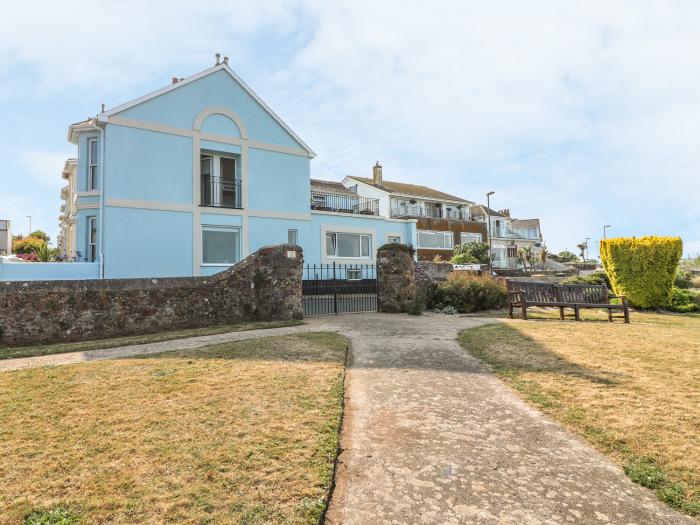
(354, 274)
(221, 245)
(92, 239)
(292, 236)
(393, 239)
(353, 245)
(436, 240)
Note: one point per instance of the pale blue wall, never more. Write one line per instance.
(220, 125)
(147, 243)
(146, 165)
(217, 89)
(48, 271)
(278, 181)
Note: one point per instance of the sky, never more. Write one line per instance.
(580, 113)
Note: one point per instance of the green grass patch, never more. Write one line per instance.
(10, 352)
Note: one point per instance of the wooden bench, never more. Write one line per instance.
(523, 294)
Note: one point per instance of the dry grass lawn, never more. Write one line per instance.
(633, 391)
(10, 352)
(242, 432)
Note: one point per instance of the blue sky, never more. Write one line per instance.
(580, 113)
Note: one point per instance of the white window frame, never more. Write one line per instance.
(292, 232)
(446, 235)
(92, 163)
(354, 271)
(91, 245)
(219, 227)
(336, 256)
(214, 160)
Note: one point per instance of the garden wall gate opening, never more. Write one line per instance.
(339, 288)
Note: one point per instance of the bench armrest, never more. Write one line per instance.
(623, 298)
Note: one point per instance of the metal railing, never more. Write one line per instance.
(339, 202)
(220, 193)
(428, 212)
(339, 288)
(516, 233)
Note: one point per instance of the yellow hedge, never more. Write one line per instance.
(642, 269)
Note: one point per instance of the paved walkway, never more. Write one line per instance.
(430, 437)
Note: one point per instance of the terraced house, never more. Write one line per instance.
(191, 178)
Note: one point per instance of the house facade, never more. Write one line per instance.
(192, 178)
(442, 220)
(508, 235)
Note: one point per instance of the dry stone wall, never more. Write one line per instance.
(264, 286)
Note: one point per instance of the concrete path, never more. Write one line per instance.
(430, 437)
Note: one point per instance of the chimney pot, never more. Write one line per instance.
(218, 59)
(174, 80)
(103, 107)
(377, 174)
(226, 60)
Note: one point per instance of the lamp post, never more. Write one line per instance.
(30, 224)
(605, 228)
(488, 226)
(587, 252)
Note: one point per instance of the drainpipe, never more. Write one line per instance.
(102, 200)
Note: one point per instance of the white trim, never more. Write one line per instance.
(224, 139)
(107, 115)
(91, 193)
(219, 110)
(266, 214)
(87, 206)
(148, 205)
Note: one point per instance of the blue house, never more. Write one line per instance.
(192, 178)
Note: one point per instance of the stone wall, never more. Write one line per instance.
(264, 286)
(402, 284)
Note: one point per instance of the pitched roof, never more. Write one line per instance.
(525, 223)
(409, 189)
(104, 117)
(329, 186)
(485, 210)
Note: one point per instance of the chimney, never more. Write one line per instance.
(226, 60)
(505, 213)
(174, 80)
(218, 59)
(377, 174)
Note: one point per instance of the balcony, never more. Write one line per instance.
(220, 193)
(530, 234)
(429, 212)
(342, 203)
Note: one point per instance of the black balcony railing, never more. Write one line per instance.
(221, 193)
(342, 203)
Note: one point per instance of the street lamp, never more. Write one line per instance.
(488, 225)
(587, 252)
(605, 228)
(30, 224)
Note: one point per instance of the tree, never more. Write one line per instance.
(566, 256)
(543, 255)
(528, 256)
(40, 235)
(474, 252)
(582, 246)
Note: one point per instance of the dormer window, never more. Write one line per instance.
(92, 164)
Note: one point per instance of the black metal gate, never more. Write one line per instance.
(339, 288)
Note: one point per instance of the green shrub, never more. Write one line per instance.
(469, 293)
(474, 252)
(642, 269)
(594, 278)
(684, 301)
(56, 516)
(27, 244)
(564, 256)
